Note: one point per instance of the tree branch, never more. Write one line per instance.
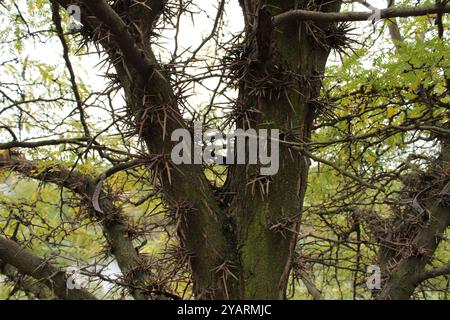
(41, 143)
(394, 30)
(185, 188)
(132, 55)
(436, 272)
(25, 283)
(57, 21)
(40, 269)
(114, 225)
(305, 15)
(310, 286)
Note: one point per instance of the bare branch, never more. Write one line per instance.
(305, 15)
(42, 143)
(310, 286)
(436, 272)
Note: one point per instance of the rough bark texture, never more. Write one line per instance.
(268, 209)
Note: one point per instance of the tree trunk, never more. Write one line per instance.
(268, 209)
(240, 247)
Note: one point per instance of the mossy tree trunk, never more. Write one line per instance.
(279, 91)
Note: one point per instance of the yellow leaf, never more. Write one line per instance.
(390, 112)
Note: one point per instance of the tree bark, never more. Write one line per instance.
(268, 209)
(394, 30)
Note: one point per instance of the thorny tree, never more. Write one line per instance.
(378, 186)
